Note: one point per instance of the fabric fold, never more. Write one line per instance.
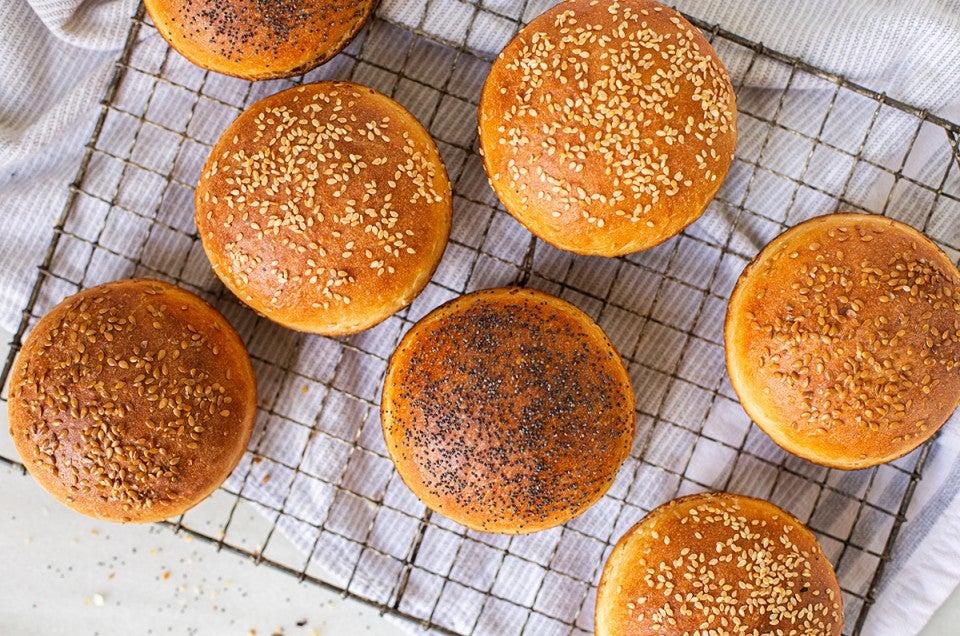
(56, 57)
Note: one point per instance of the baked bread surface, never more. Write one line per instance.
(718, 564)
(132, 401)
(507, 410)
(258, 39)
(325, 207)
(843, 339)
(607, 126)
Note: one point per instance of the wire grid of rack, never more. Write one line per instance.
(316, 495)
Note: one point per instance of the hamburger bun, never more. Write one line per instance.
(607, 126)
(718, 564)
(507, 410)
(325, 207)
(257, 39)
(132, 401)
(843, 339)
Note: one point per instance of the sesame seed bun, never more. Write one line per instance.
(507, 410)
(843, 339)
(325, 207)
(607, 127)
(258, 39)
(132, 401)
(718, 564)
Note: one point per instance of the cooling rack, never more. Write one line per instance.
(316, 495)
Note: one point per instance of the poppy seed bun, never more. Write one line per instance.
(507, 410)
(132, 401)
(607, 126)
(325, 207)
(843, 339)
(258, 39)
(718, 564)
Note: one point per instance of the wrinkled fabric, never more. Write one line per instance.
(56, 57)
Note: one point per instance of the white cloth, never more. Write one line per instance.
(56, 57)
(902, 49)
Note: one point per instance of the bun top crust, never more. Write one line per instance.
(325, 207)
(132, 401)
(843, 339)
(607, 126)
(258, 39)
(718, 564)
(507, 410)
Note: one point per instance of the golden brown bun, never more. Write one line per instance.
(258, 39)
(843, 339)
(132, 401)
(607, 127)
(507, 410)
(718, 564)
(325, 207)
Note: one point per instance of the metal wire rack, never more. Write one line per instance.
(316, 474)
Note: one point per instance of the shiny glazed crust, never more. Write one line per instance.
(325, 207)
(718, 564)
(258, 39)
(607, 126)
(843, 339)
(507, 410)
(132, 401)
